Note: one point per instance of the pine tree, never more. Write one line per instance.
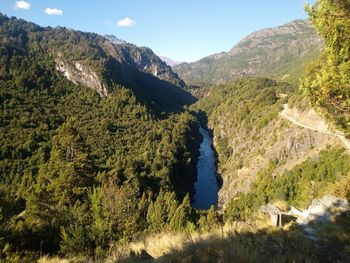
(180, 218)
(63, 183)
(69, 172)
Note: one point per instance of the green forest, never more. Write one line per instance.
(81, 173)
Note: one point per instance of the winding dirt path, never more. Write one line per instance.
(341, 137)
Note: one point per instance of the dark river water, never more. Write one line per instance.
(206, 185)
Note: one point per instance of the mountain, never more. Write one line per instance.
(278, 53)
(144, 60)
(96, 62)
(100, 145)
(87, 124)
(253, 139)
(169, 61)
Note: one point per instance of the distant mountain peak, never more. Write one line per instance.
(292, 30)
(169, 61)
(273, 52)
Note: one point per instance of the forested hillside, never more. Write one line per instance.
(82, 167)
(91, 60)
(100, 142)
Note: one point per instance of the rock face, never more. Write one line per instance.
(284, 143)
(115, 40)
(322, 210)
(84, 75)
(273, 52)
(116, 58)
(313, 121)
(103, 62)
(143, 59)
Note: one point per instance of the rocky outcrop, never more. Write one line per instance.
(141, 58)
(82, 74)
(311, 120)
(321, 211)
(282, 142)
(97, 62)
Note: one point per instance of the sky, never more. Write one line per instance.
(183, 30)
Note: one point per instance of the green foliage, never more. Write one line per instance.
(241, 107)
(298, 186)
(69, 172)
(77, 171)
(181, 216)
(327, 79)
(209, 220)
(166, 213)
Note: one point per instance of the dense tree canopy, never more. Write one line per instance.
(77, 171)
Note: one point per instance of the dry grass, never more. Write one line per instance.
(235, 242)
(189, 247)
(161, 244)
(47, 259)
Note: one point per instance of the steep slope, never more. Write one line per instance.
(279, 53)
(89, 140)
(144, 60)
(251, 136)
(312, 121)
(96, 62)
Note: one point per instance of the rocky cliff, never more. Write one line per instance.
(101, 63)
(143, 59)
(251, 132)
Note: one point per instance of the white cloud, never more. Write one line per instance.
(22, 5)
(126, 22)
(53, 11)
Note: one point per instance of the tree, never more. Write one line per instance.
(61, 191)
(162, 210)
(70, 170)
(208, 221)
(327, 80)
(120, 207)
(181, 216)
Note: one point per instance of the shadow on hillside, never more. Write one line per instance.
(162, 96)
(275, 245)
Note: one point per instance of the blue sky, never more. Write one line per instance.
(184, 30)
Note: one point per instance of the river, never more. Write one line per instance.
(206, 185)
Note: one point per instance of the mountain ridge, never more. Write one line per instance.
(96, 62)
(269, 52)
